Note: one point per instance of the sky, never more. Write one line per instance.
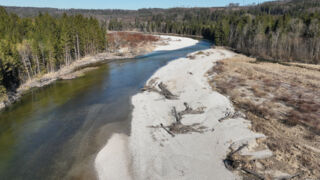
(123, 4)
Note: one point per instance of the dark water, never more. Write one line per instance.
(55, 132)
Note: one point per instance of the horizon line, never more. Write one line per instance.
(45, 7)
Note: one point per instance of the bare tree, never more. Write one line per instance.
(25, 54)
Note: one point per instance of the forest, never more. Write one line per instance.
(30, 47)
(284, 30)
(277, 31)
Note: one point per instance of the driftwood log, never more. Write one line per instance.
(229, 115)
(188, 110)
(163, 90)
(257, 175)
(168, 131)
(178, 127)
(176, 115)
(230, 162)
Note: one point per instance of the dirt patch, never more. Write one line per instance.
(283, 102)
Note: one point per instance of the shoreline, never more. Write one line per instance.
(74, 70)
(79, 67)
(197, 147)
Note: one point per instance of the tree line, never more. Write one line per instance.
(30, 47)
(280, 30)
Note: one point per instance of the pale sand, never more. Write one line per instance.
(153, 153)
(113, 161)
(174, 43)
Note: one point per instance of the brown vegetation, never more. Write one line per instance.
(283, 102)
(117, 40)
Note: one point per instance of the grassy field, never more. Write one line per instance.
(283, 102)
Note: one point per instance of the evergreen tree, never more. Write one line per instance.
(33, 46)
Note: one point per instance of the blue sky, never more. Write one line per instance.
(123, 4)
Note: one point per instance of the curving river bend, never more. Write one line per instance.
(56, 131)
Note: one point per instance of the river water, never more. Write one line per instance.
(56, 131)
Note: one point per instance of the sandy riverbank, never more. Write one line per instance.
(201, 142)
(119, 142)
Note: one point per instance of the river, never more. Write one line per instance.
(56, 131)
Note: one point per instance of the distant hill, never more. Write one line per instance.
(99, 14)
(178, 14)
(272, 7)
(105, 15)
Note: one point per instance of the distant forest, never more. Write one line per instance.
(280, 31)
(30, 47)
(287, 30)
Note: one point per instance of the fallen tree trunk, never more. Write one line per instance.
(167, 130)
(165, 92)
(176, 115)
(248, 171)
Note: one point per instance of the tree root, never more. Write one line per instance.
(233, 162)
(230, 162)
(178, 128)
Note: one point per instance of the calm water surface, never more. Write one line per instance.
(55, 132)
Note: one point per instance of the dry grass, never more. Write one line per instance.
(129, 39)
(283, 102)
(133, 43)
(307, 66)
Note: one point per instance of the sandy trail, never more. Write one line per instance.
(154, 153)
